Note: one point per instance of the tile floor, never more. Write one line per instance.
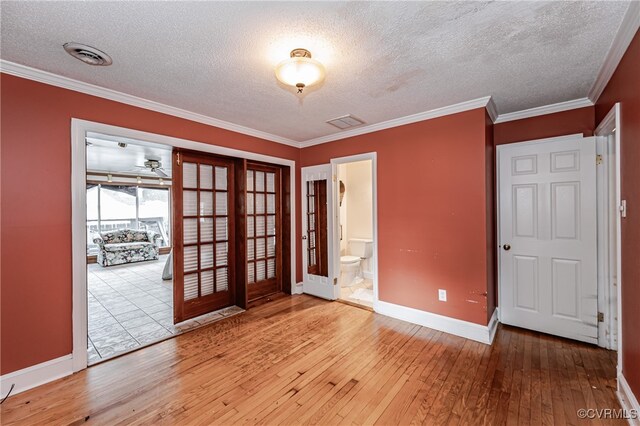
(361, 294)
(130, 306)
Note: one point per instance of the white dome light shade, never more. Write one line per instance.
(300, 71)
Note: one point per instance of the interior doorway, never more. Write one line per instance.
(355, 231)
(150, 241)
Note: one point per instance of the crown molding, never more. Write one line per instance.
(545, 109)
(46, 77)
(414, 118)
(628, 28)
(492, 110)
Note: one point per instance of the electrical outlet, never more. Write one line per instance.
(442, 295)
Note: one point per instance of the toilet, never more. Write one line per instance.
(351, 264)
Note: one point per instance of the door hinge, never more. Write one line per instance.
(178, 156)
(335, 178)
(335, 281)
(600, 317)
(598, 159)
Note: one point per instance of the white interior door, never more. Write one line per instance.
(547, 224)
(317, 224)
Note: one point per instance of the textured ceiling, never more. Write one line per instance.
(384, 60)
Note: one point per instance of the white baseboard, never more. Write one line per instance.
(297, 289)
(479, 333)
(36, 375)
(627, 399)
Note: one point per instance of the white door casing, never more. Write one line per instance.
(316, 285)
(547, 225)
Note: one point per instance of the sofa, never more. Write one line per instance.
(126, 246)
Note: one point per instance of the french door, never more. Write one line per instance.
(264, 230)
(203, 234)
(317, 228)
(547, 229)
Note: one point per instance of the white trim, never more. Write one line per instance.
(79, 128)
(373, 157)
(610, 124)
(627, 399)
(36, 375)
(628, 28)
(492, 110)
(401, 121)
(545, 109)
(102, 92)
(468, 330)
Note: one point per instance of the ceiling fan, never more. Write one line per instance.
(155, 166)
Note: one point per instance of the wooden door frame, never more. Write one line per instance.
(79, 129)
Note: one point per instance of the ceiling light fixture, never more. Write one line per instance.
(139, 179)
(300, 70)
(109, 178)
(87, 54)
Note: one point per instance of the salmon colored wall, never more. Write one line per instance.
(624, 87)
(490, 185)
(36, 206)
(579, 120)
(432, 211)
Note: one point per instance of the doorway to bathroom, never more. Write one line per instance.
(355, 229)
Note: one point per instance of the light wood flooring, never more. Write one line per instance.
(303, 360)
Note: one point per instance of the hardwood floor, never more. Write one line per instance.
(303, 360)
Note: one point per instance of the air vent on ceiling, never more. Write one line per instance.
(345, 122)
(87, 54)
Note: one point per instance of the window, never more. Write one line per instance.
(113, 207)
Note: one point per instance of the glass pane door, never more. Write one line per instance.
(203, 241)
(263, 230)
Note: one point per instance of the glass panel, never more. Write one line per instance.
(271, 203)
(271, 246)
(250, 252)
(271, 225)
(271, 179)
(206, 283)
(249, 203)
(189, 203)
(312, 205)
(206, 203)
(118, 202)
(222, 279)
(206, 229)
(190, 258)
(310, 188)
(190, 286)
(312, 239)
(92, 220)
(221, 178)
(251, 273)
(259, 181)
(250, 227)
(312, 222)
(271, 268)
(206, 256)
(259, 226)
(259, 203)
(189, 177)
(221, 254)
(206, 176)
(154, 213)
(190, 231)
(312, 257)
(260, 248)
(222, 229)
(260, 270)
(221, 203)
(249, 180)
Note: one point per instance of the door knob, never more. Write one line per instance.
(507, 247)
(304, 237)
